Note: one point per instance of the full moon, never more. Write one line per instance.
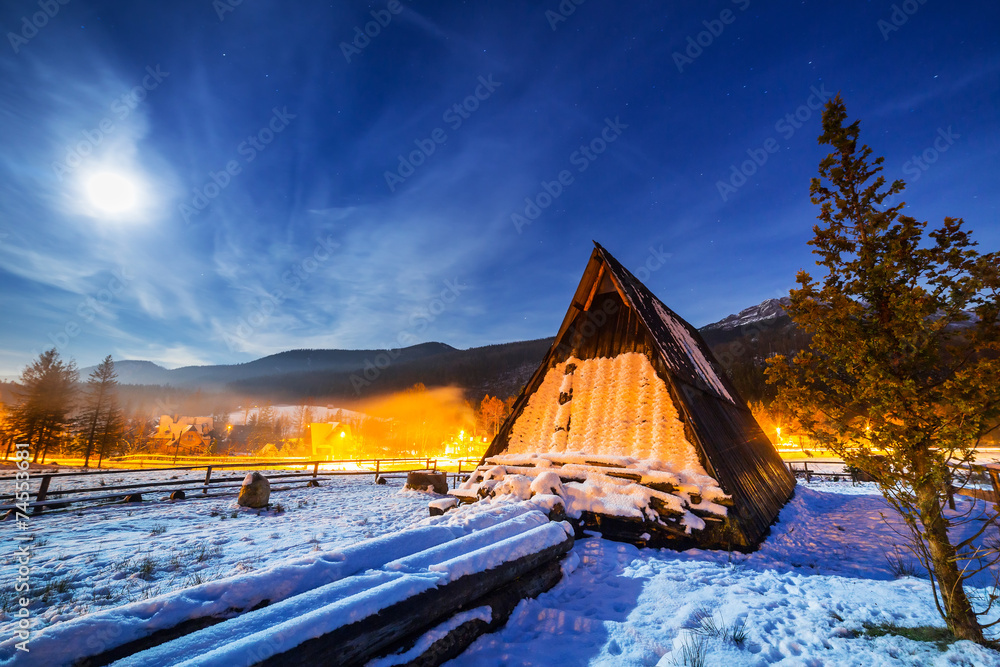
(112, 192)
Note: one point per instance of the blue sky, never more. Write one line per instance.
(198, 182)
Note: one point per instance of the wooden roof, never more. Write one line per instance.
(732, 446)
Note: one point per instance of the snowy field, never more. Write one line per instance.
(111, 555)
(803, 598)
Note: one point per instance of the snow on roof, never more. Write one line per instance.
(700, 363)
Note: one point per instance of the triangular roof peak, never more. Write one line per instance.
(683, 350)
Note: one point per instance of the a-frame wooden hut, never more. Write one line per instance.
(632, 423)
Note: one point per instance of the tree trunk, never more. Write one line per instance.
(959, 615)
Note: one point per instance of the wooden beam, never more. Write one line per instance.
(358, 642)
(501, 604)
(596, 286)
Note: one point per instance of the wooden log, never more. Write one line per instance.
(660, 507)
(501, 604)
(662, 487)
(358, 642)
(421, 480)
(631, 476)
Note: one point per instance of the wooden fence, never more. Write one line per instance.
(46, 496)
(976, 480)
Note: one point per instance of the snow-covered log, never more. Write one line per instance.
(368, 597)
(356, 643)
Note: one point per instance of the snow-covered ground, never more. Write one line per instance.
(803, 597)
(111, 555)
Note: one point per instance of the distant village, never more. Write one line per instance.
(322, 433)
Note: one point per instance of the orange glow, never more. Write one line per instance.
(416, 422)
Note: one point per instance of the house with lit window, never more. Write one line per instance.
(331, 441)
(183, 434)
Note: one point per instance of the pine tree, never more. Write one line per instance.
(491, 412)
(8, 434)
(100, 415)
(46, 393)
(902, 375)
(112, 429)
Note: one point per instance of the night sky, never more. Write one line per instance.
(193, 182)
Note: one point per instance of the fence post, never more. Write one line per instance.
(454, 482)
(315, 469)
(43, 490)
(208, 478)
(995, 483)
(805, 466)
(377, 463)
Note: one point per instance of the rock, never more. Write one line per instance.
(255, 492)
(178, 495)
(133, 498)
(380, 480)
(424, 481)
(312, 484)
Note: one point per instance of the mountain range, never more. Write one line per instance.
(499, 370)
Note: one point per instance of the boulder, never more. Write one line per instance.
(178, 495)
(380, 480)
(133, 498)
(255, 492)
(428, 481)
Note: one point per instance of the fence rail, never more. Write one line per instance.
(976, 480)
(301, 470)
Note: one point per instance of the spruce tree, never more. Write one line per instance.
(100, 414)
(902, 375)
(46, 394)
